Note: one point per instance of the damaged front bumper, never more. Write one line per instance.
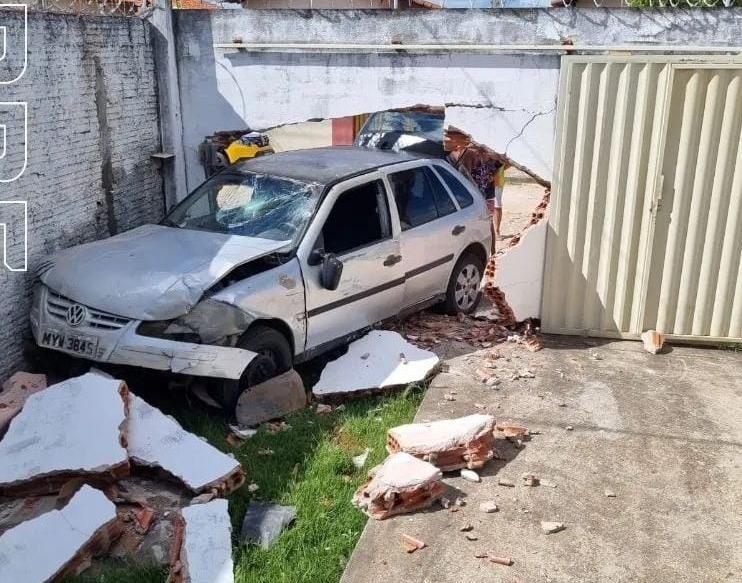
(107, 338)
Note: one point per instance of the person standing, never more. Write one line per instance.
(498, 184)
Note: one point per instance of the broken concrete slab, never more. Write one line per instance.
(402, 483)
(202, 546)
(520, 272)
(380, 359)
(72, 429)
(264, 522)
(451, 444)
(14, 393)
(60, 541)
(276, 397)
(158, 441)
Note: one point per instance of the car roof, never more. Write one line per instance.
(324, 165)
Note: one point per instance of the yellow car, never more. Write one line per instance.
(250, 145)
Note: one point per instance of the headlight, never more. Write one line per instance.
(209, 322)
(168, 330)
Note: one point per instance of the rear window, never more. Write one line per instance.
(459, 191)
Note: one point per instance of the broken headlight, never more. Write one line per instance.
(209, 322)
(168, 330)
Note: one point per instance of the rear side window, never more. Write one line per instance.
(459, 191)
(420, 197)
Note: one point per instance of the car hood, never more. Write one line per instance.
(152, 272)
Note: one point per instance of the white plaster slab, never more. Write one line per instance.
(374, 362)
(435, 436)
(38, 549)
(520, 272)
(154, 439)
(401, 471)
(206, 554)
(73, 426)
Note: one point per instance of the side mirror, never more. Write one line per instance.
(332, 271)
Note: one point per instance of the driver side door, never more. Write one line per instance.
(353, 224)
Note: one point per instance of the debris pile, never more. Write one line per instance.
(402, 483)
(427, 329)
(88, 469)
(451, 444)
(379, 360)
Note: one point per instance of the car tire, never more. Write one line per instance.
(463, 293)
(273, 358)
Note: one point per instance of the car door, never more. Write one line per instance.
(354, 225)
(431, 230)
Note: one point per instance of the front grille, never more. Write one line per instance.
(57, 305)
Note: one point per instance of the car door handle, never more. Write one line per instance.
(392, 259)
(458, 229)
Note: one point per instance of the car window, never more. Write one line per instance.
(249, 204)
(442, 198)
(359, 217)
(419, 196)
(459, 191)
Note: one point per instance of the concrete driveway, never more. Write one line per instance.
(664, 433)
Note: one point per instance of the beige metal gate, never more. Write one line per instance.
(645, 230)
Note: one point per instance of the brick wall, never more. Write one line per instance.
(92, 126)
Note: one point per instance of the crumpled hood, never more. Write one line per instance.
(152, 272)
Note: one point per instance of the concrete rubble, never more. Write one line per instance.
(378, 360)
(59, 542)
(271, 399)
(653, 341)
(89, 469)
(158, 441)
(264, 522)
(451, 444)
(202, 545)
(14, 393)
(402, 483)
(72, 429)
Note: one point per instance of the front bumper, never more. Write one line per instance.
(118, 342)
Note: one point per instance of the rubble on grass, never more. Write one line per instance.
(264, 521)
(402, 483)
(61, 541)
(14, 393)
(91, 431)
(382, 368)
(72, 429)
(653, 341)
(158, 441)
(202, 545)
(271, 399)
(451, 444)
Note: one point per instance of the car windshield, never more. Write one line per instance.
(249, 204)
(420, 123)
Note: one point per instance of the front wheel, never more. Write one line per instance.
(462, 294)
(273, 358)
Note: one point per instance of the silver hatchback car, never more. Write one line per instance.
(268, 263)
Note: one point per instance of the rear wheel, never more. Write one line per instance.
(462, 294)
(273, 358)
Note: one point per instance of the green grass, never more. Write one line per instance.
(311, 468)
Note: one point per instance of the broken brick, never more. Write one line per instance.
(412, 544)
(14, 393)
(401, 484)
(450, 444)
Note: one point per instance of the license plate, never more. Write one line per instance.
(77, 343)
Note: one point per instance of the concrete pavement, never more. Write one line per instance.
(664, 433)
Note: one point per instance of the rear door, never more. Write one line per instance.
(354, 223)
(432, 232)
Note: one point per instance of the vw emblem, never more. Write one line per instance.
(76, 314)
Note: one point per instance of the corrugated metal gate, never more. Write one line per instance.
(645, 230)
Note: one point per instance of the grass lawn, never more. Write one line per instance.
(311, 468)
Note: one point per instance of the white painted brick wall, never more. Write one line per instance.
(63, 182)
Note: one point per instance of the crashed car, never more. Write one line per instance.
(415, 130)
(269, 262)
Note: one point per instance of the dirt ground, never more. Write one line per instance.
(519, 199)
(663, 433)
